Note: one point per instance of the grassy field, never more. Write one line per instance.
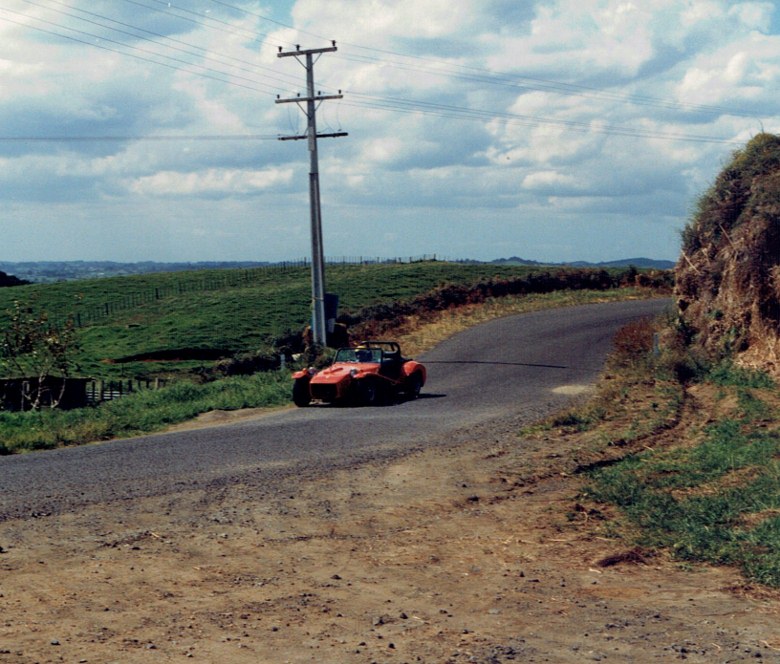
(229, 311)
(143, 412)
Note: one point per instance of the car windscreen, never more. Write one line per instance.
(358, 355)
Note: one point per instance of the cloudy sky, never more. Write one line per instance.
(554, 130)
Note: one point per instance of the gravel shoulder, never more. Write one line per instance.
(474, 552)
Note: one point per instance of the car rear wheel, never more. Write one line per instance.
(413, 386)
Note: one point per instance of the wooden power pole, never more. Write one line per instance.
(306, 58)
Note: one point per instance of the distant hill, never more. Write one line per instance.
(52, 271)
(49, 271)
(646, 263)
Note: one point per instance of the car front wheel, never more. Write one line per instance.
(301, 394)
(367, 392)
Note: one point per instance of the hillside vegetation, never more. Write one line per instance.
(728, 276)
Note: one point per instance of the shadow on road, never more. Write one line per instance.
(498, 363)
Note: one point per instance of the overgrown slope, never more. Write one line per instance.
(728, 276)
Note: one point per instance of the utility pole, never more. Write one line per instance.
(306, 58)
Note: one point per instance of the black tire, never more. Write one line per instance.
(367, 392)
(413, 386)
(301, 394)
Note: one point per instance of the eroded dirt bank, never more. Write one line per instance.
(475, 553)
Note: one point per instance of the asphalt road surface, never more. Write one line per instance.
(502, 373)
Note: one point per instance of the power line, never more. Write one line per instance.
(182, 137)
(180, 64)
(463, 113)
(441, 68)
(199, 51)
(399, 105)
(165, 8)
(526, 83)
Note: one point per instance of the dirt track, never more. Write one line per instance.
(474, 553)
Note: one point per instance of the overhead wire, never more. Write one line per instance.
(149, 55)
(462, 113)
(199, 51)
(364, 101)
(525, 83)
(466, 72)
(165, 7)
(154, 137)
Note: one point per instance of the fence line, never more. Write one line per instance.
(214, 282)
(98, 391)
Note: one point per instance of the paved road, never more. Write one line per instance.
(503, 371)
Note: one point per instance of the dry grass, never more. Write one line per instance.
(418, 335)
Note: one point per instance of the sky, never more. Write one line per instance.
(556, 131)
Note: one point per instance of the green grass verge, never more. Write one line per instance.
(142, 412)
(715, 498)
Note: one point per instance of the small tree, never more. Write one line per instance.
(34, 350)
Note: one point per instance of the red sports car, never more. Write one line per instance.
(366, 374)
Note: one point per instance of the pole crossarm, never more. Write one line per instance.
(295, 100)
(303, 137)
(310, 51)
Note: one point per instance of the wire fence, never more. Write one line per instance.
(99, 391)
(18, 394)
(215, 280)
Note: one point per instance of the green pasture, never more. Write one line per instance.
(235, 311)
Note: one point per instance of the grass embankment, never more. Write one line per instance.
(688, 469)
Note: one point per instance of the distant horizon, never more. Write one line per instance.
(329, 259)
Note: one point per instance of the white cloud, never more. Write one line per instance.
(212, 181)
(549, 182)
(753, 15)
(387, 21)
(736, 73)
